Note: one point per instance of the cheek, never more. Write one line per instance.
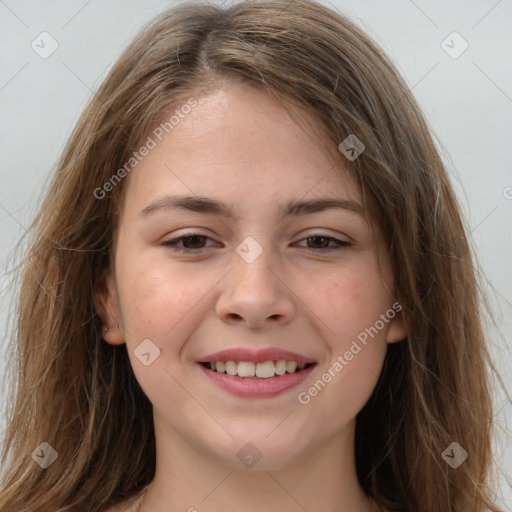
(350, 301)
(162, 304)
(350, 306)
(159, 301)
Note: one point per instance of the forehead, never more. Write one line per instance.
(240, 145)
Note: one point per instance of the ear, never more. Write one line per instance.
(106, 302)
(396, 331)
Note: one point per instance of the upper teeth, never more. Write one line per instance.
(264, 370)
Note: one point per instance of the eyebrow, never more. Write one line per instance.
(206, 205)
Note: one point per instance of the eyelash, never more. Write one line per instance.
(173, 243)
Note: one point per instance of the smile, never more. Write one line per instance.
(250, 379)
(252, 370)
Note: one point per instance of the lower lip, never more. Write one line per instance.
(260, 388)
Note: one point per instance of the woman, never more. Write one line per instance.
(249, 286)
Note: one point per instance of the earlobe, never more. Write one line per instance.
(397, 331)
(106, 302)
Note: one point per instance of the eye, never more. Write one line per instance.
(324, 241)
(192, 242)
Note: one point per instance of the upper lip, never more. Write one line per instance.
(256, 356)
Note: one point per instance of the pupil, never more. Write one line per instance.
(323, 238)
(195, 239)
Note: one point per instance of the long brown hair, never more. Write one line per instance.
(77, 393)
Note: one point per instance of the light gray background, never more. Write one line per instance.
(467, 101)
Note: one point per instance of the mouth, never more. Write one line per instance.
(256, 374)
(253, 370)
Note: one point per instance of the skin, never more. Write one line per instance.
(240, 146)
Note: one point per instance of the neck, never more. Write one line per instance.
(188, 480)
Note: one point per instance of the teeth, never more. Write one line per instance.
(231, 368)
(248, 369)
(291, 366)
(264, 370)
(280, 367)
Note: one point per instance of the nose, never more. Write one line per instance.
(256, 294)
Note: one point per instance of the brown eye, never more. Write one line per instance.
(190, 243)
(322, 242)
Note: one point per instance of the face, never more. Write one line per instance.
(266, 287)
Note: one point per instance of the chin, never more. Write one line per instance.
(260, 452)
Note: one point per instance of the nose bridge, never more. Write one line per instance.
(253, 292)
(252, 268)
(253, 280)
